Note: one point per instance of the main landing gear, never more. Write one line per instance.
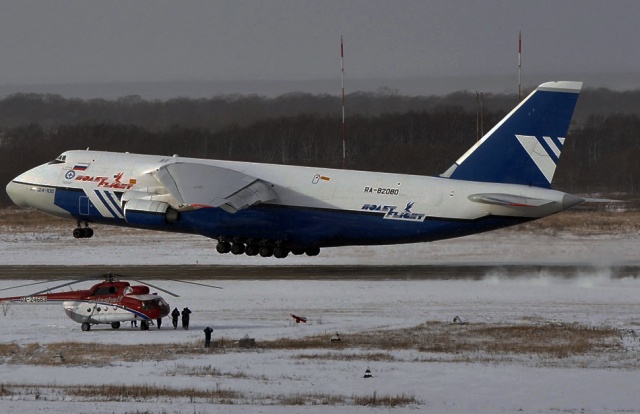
(82, 233)
(264, 248)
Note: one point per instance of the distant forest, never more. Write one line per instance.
(385, 131)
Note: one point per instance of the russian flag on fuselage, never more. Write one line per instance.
(81, 166)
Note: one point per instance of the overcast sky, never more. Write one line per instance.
(161, 40)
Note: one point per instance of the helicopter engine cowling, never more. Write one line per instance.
(149, 213)
(137, 290)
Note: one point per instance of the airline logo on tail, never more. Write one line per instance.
(524, 147)
(544, 152)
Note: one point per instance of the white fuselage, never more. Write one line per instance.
(319, 203)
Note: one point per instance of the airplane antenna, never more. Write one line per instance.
(519, 65)
(344, 151)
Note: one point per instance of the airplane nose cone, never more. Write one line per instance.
(16, 193)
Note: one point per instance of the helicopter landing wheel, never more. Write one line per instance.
(85, 326)
(115, 325)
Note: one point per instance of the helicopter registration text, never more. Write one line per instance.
(33, 299)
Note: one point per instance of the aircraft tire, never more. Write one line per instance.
(115, 325)
(78, 233)
(223, 247)
(88, 232)
(280, 252)
(266, 251)
(85, 326)
(251, 250)
(312, 251)
(237, 248)
(297, 252)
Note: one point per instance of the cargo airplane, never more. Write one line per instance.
(274, 210)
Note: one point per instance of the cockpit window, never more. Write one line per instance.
(60, 160)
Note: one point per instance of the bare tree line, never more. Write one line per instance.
(385, 132)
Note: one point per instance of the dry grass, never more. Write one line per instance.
(545, 341)
(210, 372)
(581, 222)
(217, 395)
(25, 219)
(126, 393)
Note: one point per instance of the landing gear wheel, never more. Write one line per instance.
(78, 233)
(251, 250)
(237, 248)
(312, 251)
(280, 252)
(115, 325)
(88, 232)
(266, 251)
(297, 252)
(223, 247)
(85, 326)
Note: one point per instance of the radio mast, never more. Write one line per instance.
(344, 137)
(519, 65)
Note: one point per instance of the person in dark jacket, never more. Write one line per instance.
(185, 318)
(207, 336)
(159, 322)
(174, 317)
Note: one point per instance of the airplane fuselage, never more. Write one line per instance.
(315, 206)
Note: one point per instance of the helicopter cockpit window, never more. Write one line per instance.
(60, 160)
(150, 304)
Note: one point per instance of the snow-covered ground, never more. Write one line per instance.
(116, 246)
(598, 382)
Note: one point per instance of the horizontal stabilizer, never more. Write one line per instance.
(508, 200)
(201, 185)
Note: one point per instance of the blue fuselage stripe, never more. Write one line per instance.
(300, 226)
(105, 203)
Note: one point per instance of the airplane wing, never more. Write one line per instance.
(201, 185)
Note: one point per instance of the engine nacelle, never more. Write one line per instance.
(148, 213)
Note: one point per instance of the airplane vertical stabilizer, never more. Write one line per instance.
(523, 148)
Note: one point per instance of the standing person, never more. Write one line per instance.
(174, 317)
(134, 324)
(159, 322)
(185, 318)
(207, 336)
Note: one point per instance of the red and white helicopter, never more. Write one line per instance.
(111, 301)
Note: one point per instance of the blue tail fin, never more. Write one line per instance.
(525, 146)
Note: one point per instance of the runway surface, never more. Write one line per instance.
(316, 272)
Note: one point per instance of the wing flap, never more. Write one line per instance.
(201, 185)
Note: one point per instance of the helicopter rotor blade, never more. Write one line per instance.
(64, 285)
(156, 287)
(29, 284)
(195, 283)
